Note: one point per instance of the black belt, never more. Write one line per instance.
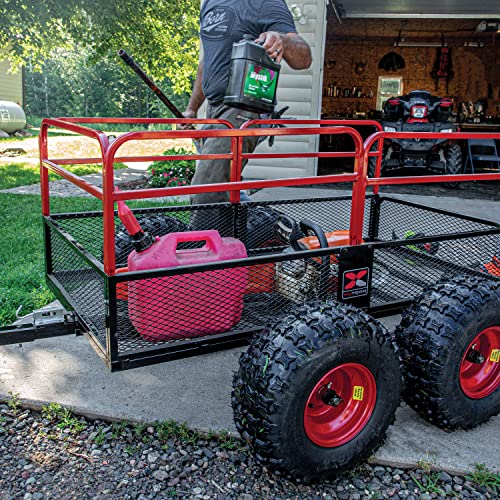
(215, 102)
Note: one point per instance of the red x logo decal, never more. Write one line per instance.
(355, 279)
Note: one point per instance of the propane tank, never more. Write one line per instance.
(253, 81)
(12, 117)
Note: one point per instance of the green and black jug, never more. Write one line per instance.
(253, 81)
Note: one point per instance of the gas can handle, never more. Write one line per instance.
(212, 238)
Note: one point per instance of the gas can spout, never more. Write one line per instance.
(141, 240)
(128, 218)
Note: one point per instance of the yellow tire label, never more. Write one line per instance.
(358, 393)
(495, 355)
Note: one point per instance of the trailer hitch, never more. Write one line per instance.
(43, 323)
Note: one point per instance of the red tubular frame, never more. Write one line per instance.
(361, 154)
(109, 196)
(388, 181)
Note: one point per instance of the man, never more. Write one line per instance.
(223, 22)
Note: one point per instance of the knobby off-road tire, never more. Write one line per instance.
(260, 227)
(156, 225)
(372, 164)
(288, 382)
(436, 335)
(453, 157)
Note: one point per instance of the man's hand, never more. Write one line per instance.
(291, 47)
(189, 113)
(273, 43)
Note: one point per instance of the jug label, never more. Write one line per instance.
(260, 83)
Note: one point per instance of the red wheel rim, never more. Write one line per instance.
(480, 366)
(340, 405)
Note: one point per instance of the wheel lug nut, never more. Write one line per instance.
(474, 356)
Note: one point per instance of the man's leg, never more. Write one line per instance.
(217, 171)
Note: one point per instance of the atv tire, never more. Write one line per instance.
(447, 382)
(156, 225)
(453, 166)
(260, 227)
(372, 165)
(284, 394)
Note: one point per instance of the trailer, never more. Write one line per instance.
(321, 379)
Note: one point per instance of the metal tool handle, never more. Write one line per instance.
(145, 78)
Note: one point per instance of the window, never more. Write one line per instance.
(388, 86)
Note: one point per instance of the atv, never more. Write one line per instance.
(419, 111)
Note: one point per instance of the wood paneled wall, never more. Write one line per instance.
(476, 70)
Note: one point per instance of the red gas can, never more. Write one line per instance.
(187, 305)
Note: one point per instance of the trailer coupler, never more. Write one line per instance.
(41, 324)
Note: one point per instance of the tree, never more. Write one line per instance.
(71, 85)
(162, 35)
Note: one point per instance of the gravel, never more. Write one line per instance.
(55, 454)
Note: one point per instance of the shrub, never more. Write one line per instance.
(172, 173)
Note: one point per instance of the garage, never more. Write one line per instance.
(366, 51)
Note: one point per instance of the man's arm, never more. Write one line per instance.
(291, 47)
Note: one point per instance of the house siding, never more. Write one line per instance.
(11, 85)
(301, 91)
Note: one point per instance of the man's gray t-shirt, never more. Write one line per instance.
(223, 22)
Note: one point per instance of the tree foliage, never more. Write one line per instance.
(162, 35)
(70, 84)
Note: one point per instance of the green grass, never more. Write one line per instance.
(22, 280)
(13, 402)
(117, 128)
(22, 174)
(430, 483)
(21, 259)
(63, 417)
(486, 478)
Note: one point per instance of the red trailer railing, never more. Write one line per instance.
(372, 147)
(109, 195)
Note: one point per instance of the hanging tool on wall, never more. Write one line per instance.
(443, 68)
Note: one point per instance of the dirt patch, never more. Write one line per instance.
(84, 147)
(142, 183)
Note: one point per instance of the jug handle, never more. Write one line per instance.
(211, 236)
